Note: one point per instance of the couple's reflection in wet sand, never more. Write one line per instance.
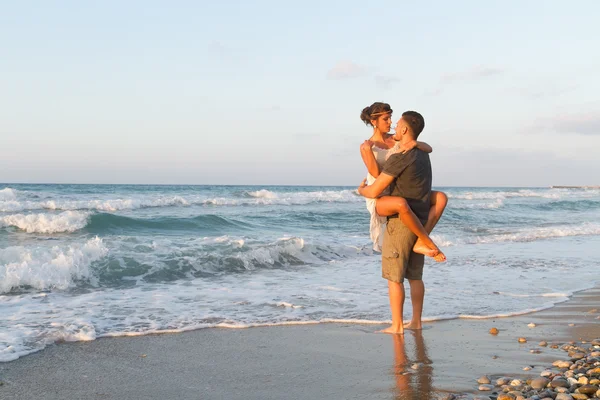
(412, 369)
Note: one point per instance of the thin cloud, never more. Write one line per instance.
(221, 51)
(476, 73)
(346, 70)
(385, 82)
(545, 91)
(583, 124)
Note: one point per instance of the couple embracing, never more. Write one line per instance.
(403, 207)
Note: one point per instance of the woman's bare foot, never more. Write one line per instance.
(415, 326)
(393, 330)
(422, 248)
(440, 257)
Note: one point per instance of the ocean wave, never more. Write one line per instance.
(8, 194)
(497, 203)
(525, 235)
(263, 193)
(68, 221)
(44, 268)
(492, 195)
(164, 260)
(201, 224)
(266, 197)
(115, 204)
(10, 203)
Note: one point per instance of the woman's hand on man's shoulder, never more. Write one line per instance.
(366, 145)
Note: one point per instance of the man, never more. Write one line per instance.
(410, 175)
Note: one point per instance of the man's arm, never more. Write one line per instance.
(372, 191)
(406, 147)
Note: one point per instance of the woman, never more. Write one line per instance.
(375, 152)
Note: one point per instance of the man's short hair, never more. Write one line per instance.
(415, 122)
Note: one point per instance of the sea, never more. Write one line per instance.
(80, 262)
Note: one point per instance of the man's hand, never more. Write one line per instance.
(362, 186)
(366, 146)
(406, 147)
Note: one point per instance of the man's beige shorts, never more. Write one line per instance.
(397, 258)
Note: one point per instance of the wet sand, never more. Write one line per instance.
(326, 361)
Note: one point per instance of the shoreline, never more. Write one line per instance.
(333, 360)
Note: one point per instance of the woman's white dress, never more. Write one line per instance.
(378, 222)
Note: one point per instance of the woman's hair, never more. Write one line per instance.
(374, 111)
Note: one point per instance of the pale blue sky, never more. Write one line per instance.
(266, 92)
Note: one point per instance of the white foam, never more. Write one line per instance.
(287, 305)
(68, 221)
(44, 268)
(523, 235)
(8, 194)
(501, 195)
(266, 197)
(263, 193)
(106, 205)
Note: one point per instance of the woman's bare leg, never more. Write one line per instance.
(439, 200)
(391, 205)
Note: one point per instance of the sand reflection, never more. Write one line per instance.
(413, 375)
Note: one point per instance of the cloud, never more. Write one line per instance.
(476, 73)
(223, 52)
(583, 124)
(517, 167)
(385, 82)
(346, 70)
(545, 91)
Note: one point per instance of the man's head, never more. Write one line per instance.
(411, 123)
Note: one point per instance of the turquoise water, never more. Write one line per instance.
(79, 262)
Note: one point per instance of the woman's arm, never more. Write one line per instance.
(411, 145)
(369, 158)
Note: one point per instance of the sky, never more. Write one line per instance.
(270, 92)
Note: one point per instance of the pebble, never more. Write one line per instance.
(522, 340)
(502, 381)
(574, 379)
(579, 396)
(535, 351)
(583, 380)
(494, 331)
(505, 396)
(588, 389)
(563, 396)
(532, 325)
(562, 364)
(414, 366)
(577, 356)
(539, 383)
(543, 343)
(571, 324)
(559, 382)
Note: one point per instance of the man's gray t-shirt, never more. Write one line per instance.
(412, 171)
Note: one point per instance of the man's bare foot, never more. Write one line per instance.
(392, 330)
(415, 326)
(421, 248)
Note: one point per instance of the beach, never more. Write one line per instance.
(150, 291)
(332, 360)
